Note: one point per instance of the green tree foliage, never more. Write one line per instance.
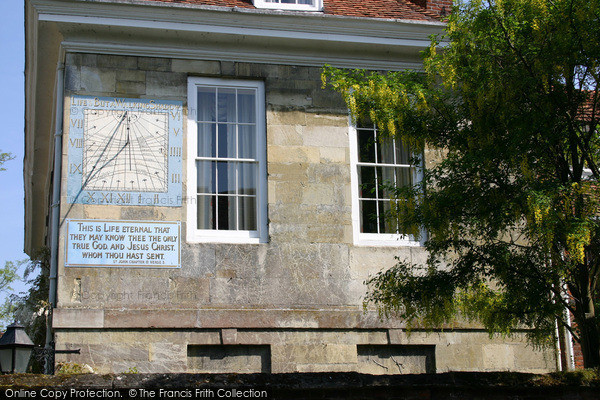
(30, 308)
(8, 275)
(4, 157)
(511, 96)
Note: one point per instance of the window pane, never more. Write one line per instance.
(368, 216)
(366, 146)
(386, 223)
(226, 219)
(386, 152)
(206, 104)
(206, 177)
(227, 143)
(225, 177)
(227, 133)
(404, 176)
(247, 178)
(206, 212)
(247, 141)
(206, 140)
(226, 105)
(246, 106)
(377, 184)
(366, 182)
(386, 181)
(247, 213)
(402, 152)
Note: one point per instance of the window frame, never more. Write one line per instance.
(375, 239)
(194, 235)
(316, 7)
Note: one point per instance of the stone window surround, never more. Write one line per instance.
(226, 236)
(372, 239)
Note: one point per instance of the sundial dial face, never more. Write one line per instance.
(125, 151)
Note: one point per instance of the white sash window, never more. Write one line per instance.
(298, 5)
(226, 161)
(378, 166)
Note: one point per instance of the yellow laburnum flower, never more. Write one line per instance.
(391, 127)
(537, 214)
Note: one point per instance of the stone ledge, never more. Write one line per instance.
(78, 318)
(267, 317)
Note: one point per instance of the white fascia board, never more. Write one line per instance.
(257, 32)
(303, 26)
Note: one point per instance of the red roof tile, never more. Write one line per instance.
(387, 9)
(393, 9)
(591, 108)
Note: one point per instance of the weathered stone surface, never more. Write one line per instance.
(117, 62)
(288, 192)
(89, 60)
(230, 290)
(329, 100)
(334, 155)
(198, 260)
(72, 78)
(314, 354)
(286, 118)
(319, 194)
(154, 64)
(334, 119)
(94, 211)
(228, 68)
(300, 99)
(271, 71)
(150, 318)
(199, 67)
(498, 357)
(284, 135)
(96, 80)
(166, 85)
(241, 259)
(365, 261)
(131, 76)
(147, 367)
(130, 89)
(167, 352)
(77, 318)
(301, 293)
(326, 136)
(288, 171)
(243, 358)
(384, 360)
(229, 336)
(293, 154)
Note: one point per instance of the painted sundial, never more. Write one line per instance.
(125, 151)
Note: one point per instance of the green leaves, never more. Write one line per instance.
(4, 157)
(512, 99)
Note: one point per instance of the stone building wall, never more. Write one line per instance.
(292, 304)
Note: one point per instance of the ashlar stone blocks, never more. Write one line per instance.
(291, 304)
